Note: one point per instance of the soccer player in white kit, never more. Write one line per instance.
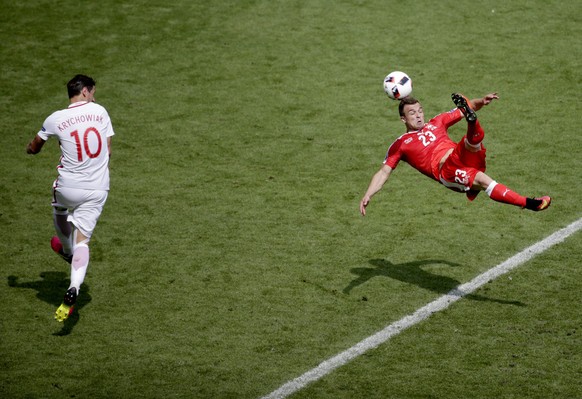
(84, 133)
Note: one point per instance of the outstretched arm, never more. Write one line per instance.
(478, 103)
(376, 185)
(35, 145)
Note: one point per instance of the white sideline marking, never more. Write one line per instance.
(423, 313)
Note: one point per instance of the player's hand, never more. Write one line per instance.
(363, 204)
(490, 97)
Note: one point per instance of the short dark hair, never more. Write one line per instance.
(75, 85)
(406, 101)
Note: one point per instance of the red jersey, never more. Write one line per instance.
(423, 149)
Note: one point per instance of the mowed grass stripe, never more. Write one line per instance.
(423, 313)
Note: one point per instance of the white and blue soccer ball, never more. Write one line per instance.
(397, 85)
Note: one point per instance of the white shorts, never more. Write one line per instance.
(84, 206)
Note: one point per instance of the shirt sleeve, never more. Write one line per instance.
(108, 126)
(48, 129)
(447, 119)
(393, 155)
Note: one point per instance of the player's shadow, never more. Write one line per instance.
(51, 288)
(413, 273)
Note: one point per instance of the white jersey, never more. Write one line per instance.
(82, 130)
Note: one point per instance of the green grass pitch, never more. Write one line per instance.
(231, 257)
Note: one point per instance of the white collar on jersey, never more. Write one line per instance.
(78, 103)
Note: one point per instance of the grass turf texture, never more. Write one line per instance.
(230, 256)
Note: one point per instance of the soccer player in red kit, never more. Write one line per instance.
(460, 166)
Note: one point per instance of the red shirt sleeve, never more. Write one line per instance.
(394, 155)
(447, 119)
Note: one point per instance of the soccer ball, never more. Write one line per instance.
(397, 85)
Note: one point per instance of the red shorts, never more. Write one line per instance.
(461, 167)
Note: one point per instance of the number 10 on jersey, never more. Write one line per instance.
(83, 145)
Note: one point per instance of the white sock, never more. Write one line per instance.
(79, 265)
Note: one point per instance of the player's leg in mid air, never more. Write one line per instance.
(500, 193)
(475, 132)
(473, 155)
(464, 171)
(62, 242)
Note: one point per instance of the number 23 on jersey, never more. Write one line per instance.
(426, 138)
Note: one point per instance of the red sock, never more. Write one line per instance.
(501, 193)
(475, 133)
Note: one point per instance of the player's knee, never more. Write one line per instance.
(482, 181)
